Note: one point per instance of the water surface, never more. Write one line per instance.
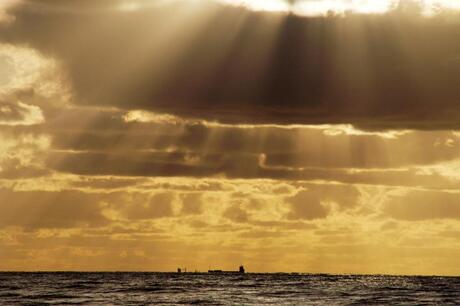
(209, 289)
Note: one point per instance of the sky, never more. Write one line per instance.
(302, 136)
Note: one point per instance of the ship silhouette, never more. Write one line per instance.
(241, 271)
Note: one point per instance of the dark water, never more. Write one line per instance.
(248, 289)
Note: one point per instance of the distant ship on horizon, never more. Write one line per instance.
(241, 271)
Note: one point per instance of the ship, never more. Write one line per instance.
(240, 271)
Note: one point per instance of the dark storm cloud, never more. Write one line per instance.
(373, 71)
(134, 164)
(234, 166)
(369, 151)
(110, 146)
(107, 132)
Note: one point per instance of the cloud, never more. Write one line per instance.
(262, 234)
(94, 142)
(330, 8)
(354, 72)
(34, 210)
(307, 205)
(236, 213)
(22, 154)
(20, 114)
(423, 205)
(24, 68)
(160, 205)
(89, 228)
(191, 125)
(242, 166)
(192, 204)
(4, 6)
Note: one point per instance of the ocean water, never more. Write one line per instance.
(225, 289)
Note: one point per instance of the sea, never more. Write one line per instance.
(64, 288)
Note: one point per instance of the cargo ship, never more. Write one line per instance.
(241, 271)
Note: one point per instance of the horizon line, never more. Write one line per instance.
(206, 272)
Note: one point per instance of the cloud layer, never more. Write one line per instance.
(146, 135)
(372, 71)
